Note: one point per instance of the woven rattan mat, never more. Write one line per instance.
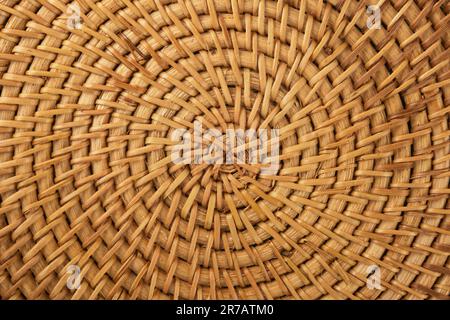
(92, 205)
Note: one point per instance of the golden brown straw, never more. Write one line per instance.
(86, 178)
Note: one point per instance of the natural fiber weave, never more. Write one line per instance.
(86, 178)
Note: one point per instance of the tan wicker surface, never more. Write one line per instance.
(86, 178)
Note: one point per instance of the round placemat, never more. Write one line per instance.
(94, 207)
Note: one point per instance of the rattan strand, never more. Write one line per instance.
(85, 122)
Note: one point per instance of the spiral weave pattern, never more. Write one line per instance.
(91, 91)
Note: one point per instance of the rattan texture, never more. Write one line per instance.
(86, 177)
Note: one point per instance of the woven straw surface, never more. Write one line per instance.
(86, 179)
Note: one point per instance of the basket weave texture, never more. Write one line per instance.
(86, 178)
